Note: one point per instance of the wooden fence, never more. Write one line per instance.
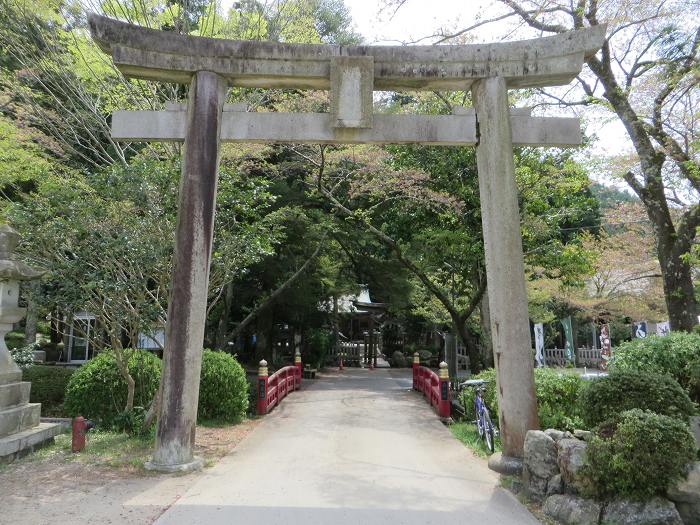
(353, 352)
(584, 357)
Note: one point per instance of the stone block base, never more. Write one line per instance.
(10, 377)
(194, 465)
(19, 418)
(22, 443)
(506, 465)
(13, 394)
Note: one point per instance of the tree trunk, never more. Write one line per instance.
(122, 359)
(678, 290)
(263, 343)
(485, 322)
(32, 318)
(222, 328)
(336, 329)
(460, 325)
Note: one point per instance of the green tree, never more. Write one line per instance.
(647, 76)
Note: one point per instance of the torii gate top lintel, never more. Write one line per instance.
(169, 57)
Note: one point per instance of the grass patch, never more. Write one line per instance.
(112, 449)
(219, 423)
(468, 434)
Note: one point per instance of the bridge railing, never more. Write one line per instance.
(434, 386)
(273, 389)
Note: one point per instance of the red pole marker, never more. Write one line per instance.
(297, 363)
(262, 388)
(444, 400)
(416, 365)
(78, 439)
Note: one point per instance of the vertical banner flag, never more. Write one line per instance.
(640, 329)
(569, 335)
(605, 346)
(663, 328)
(539, 344)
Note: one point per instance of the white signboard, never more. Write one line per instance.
(640, 329)
(539, 344)
(663, 328)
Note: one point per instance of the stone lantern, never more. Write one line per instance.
(20, 427)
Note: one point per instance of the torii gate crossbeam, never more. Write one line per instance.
(351, 74)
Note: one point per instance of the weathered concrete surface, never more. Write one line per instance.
(14, 393)
(157, 55)
(352, 82)
(184, 332)
(505, 271)
(357, 447)
(317, 128)
(27, 440)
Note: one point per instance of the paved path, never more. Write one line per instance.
(356, 447)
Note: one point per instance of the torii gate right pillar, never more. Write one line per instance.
(507, 296)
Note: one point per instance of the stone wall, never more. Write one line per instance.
(552, 476)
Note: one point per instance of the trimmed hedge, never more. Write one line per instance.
(223, 388)
(674, 354)
(605, 397)
(639, 455)
(97, 389)
(48, 387)
(557, 397)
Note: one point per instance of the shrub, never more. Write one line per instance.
(672, 354)
(132, 422)
(694, 381)
(638, 456)
(252, 396)
(557, 397)
(321, 341)
(605, 397)
(24, 356)
(48, 387)
(223, 388)
(98, 391)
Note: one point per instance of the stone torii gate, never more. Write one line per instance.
(351, 74)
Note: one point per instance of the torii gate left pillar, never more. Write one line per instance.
(351, 73)
(187, 304)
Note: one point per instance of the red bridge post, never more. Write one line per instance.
(262, 388)
(297, 364)
(416, 365)
(444, 401)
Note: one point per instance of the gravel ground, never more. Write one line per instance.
(54, 486)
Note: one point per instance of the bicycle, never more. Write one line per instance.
(487, 431)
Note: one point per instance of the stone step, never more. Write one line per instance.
(26, 441)
(10, 377)
(13, 394)
(17, 419)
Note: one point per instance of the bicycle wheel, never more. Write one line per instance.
(488, 431)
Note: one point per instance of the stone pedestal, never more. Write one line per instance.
(20, 429)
